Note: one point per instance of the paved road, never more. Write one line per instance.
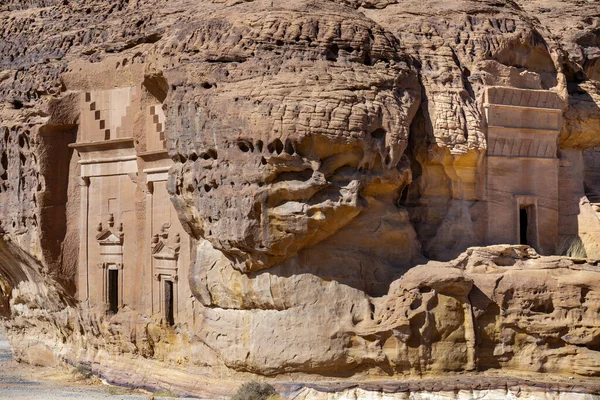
(23, 382)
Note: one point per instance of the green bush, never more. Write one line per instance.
(83, 372)
(255, 391)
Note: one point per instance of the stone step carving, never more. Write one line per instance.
(155, 128)
(107, 114)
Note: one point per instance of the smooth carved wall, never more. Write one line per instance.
(522, 167)
(134, 250)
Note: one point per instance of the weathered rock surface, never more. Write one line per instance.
(335, 171)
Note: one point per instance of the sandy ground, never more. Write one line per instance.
(25, 382)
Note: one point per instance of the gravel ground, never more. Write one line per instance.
(24, 382)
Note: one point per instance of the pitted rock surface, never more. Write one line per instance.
(324, 189)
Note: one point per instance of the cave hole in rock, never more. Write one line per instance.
(416, 303)
(378, 134)
(584, 293)
(332, 52)
(289, 148)
(113, 290)
(169, 304)
(245, 147)
(275, 146)
(544, 307)
(4, 166)
(424, 289)
(23, 141)
(403, 197)
(209, 154)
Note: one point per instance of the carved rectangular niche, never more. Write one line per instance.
(112, 286)
(521, 163)
(110, 240)
(165, 255)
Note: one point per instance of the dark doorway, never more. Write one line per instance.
(113, 290)
(523, 225)
(169, 317)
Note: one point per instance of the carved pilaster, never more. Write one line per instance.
(83, 278)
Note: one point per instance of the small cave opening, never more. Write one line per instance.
(378, 134)
(23, 141)
(289, 147)
(4, 166)
(275, 146)
(543, 306)
(367, 60)
(246, 147)
(332, 52)
(583, 295)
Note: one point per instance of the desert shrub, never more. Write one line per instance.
(83, 371)
(571, 246)
(255, 391)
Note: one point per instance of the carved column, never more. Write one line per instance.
(103, 267)
(121, 285)
(83, 273)
(148, 243)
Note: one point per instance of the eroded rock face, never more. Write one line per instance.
(267, 168)
(330, 164)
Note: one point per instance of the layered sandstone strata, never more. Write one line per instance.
(241, 189)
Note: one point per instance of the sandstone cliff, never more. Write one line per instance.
(301, 190)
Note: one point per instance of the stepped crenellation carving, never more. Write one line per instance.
(107, 114)
(155, 128)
